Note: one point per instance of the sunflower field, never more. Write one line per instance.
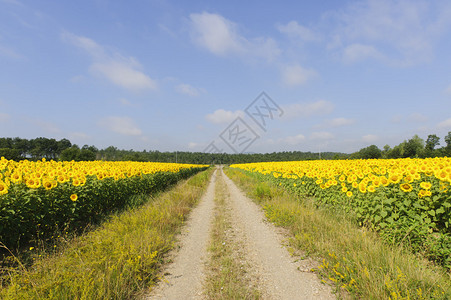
(39, 198)
(408, 201)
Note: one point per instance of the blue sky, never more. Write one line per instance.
(172, 75)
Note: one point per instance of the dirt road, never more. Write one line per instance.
(277, 273)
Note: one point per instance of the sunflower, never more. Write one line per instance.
(409, 178)
(73, 197)
(3, 188)
(442, 175)
(47, 185)
(30, 182)
(406, 187)
(376, 182)
(362, 187)
(16, 177)
(61, 178)
(394, 178)
(425, 185)
(384, 181)
(349, 193)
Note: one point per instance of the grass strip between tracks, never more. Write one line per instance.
(227, 268)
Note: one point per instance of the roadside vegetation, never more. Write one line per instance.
(353, 258)
(121, 259)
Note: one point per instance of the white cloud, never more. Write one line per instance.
(337, 122)
(300, 110)
(121, 125)
(14, 2)
(294, 30)
(403, 30)
(448, 90)
(188, 90)
(84, 43)
(358, 52)
(10, 53)
(4, 117)
(321, 135)
(396, 119)
(417, 118)
(77, 79)
(445, 124)
(296, 75)
(370, 138)
(216, 33)
(224, 116)
(192, 145)
(46, 125)
(122, 71)
(124, 75)
(294, 140)
(78, 136)
(221, 37)
(125, 102)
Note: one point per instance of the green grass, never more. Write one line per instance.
(227, 269)
(356, 261)
(119, 260)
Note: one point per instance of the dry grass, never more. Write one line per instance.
(119, 260)
(360, 265)
(227, 268)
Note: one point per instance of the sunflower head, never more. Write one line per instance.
(406, 187)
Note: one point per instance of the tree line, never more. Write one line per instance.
(41, 147)
(414, 147)
(63, 150)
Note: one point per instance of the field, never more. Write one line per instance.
(39, 198)
(408, 201)
(362, 229)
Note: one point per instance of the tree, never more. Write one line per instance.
(432, 141)
(23, 146)
(447, 149)
(414, 147)
(386, 150)
(448, 140)
(71, 153)
(369, 152)
(86, 155)
(397, 151)
(62, 145)
(8, 153)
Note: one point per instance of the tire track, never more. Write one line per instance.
(280, 276)
(185, 275)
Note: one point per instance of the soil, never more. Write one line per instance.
(277, 274)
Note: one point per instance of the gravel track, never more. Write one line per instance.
(276, 273)
(184, 276)
(277, 270)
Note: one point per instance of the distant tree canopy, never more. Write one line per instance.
(369, 152)
(64, 150)
(414, 147)
(41, 147)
